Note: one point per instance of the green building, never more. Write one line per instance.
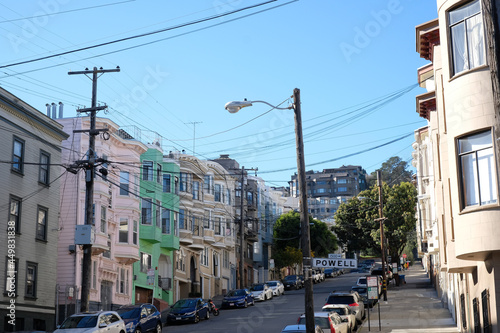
(158, 231)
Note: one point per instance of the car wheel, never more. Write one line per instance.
(196, 318)
(207, 316)
(137, 330)
(158, 328)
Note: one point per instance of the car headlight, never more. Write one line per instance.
(129, 325)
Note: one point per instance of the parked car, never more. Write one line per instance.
(188, 309)
(328, 321)
(329, 273)
(292, 282)
(352, 299)
(237, 298)
(363, 293)
(277, 287)
(361, 281)
(345, 313)
(261, 292)
(141, 318)
(93, 322)
(296, 328)
(316, 278)
(378, 271)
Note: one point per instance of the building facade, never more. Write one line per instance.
(158, 230)
(327, 189)
(116, 218)
(30, 184)
(462, 107)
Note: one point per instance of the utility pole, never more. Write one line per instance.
(194, 132)
(304, 216)
(242, 227)
(382, 238)
(89, 179)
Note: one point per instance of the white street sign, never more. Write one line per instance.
(334, 255)
(335, 263)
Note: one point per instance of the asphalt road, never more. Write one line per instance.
(269, 316)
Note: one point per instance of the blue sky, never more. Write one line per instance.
(354, 62)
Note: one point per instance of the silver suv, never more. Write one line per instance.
(351, 299)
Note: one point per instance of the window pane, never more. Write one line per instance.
(475, 142)
(475, 41)
(41, 224)
(124, 183)
(123, 236)
(465, 11)
(487, 179)
(146, 211)
(469, 180)
(458, 48)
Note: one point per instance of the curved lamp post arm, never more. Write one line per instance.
(236, 106)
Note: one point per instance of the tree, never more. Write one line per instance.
(287, 236)
(356, 225)
(394, 171)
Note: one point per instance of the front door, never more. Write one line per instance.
(106, 294)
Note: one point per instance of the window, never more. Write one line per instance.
(11, 271)
(166, 183)
(103, 219)
(134, 233)
(228, 196)
(157, 215)
(225, 258)
(217, 226)
(122, 283)
(123, 234)
(208, 184)
(196, 190)
(204, 257)
(342, 189)
(15, 212)
(146, 211)
(250, 198)
(467, 39)
(145, 262)
(124, 182)
(477, 168)
(158, 173)
(182, 224)
(217, 192)
(18, 155)
(94, 274)
(41, 225)
(147, 170)
(165, 221)
(342, 181)
(321, 190)
(184, 182)
(31, 276)
(107, 253)
(43, 173)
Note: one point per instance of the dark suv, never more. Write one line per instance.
(292, 282)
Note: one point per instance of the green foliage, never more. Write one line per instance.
(287, 238)
(356, 225)
(393, 171)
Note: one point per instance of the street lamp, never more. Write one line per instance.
(234, 107)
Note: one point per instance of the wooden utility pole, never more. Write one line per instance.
(382, 238)
(304, 216)
(89, 180)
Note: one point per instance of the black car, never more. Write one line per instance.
(188, 309)
(238, 298)
(140, 318)
(292, 282)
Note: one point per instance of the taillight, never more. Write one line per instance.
(354, 304)
(332, 329)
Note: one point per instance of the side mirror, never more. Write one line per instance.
(143, 315)
(102, 325)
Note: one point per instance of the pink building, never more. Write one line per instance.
(116, 217)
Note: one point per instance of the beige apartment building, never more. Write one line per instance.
(29, 197)
(460, 229)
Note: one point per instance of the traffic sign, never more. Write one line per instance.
(335, 263)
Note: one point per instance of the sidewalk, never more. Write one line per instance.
(410, 308)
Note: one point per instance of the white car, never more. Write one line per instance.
(261, 292)
(328, 321)
(345, 313)
(277, 287)
(93, 322)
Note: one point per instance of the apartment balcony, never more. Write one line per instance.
(185, 237)
(209, 236)
(198, 244)
(426, 103)
(169, 241)
(150, 233)
(100, 244)
(126, 253)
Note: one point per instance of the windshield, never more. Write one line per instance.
(184, 303)
(272, 284)
(239, 292)
(129, 313)
(80, 322)
(320, 321)
(340, 300)
(258, 287)
(290, 277)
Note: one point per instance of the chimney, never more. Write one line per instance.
(54, 111)
(61, 106)
(48, 109)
